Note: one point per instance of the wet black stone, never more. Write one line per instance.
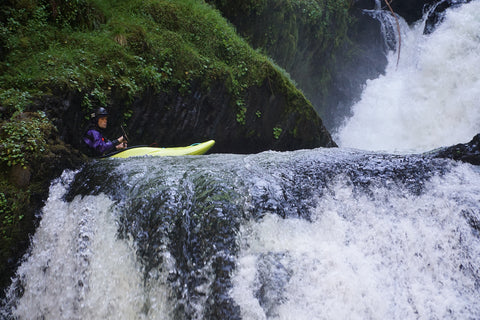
(465, 152)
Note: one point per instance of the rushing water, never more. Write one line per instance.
(432, 98)
(310, 234)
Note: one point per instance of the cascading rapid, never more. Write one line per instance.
(310, 234)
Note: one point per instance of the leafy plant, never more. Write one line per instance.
(14, 100)
(277, 131)
(8, 215)
(23, 138)
(241, 114)
(4, 208)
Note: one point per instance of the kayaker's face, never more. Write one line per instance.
(102, 122)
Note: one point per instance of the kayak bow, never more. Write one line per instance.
(194, 149)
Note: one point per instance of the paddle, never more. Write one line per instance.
(125, 137)
(124, 134)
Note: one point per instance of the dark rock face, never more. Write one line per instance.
(267, 122)
(465, 152)
(410, 10)
(437, 15)
(413, 10)
(331, 73)
(365, 4)
(367, 60)
(170, 121)
(20, 176)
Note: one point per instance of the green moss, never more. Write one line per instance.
(285, 22)
(133, 46)
(11, 200)
(303, 36)
(14, 226)
(23, 138)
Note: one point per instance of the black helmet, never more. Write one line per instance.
(101, 112)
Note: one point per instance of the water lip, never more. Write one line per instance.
(253, 233)
(388, 26)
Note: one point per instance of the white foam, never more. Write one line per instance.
(390, 256)
(432, 99)
(79, 269)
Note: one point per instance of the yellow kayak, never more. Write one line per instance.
(194, 149)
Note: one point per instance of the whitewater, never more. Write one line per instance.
(431, 99)
(375, 229)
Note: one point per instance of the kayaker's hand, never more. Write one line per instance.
(122, 139)
(122, 145)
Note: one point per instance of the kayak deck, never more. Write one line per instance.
(194, 149)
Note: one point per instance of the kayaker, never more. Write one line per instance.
(94, 138)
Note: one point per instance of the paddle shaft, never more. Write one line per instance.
(124, 134)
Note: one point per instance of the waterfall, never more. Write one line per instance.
(336, 233)
(310, 234)
(433, 97)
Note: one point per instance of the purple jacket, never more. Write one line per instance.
(97, 143)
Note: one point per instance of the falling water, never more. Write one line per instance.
(313, 234)
(310, 234)
(432, 99)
